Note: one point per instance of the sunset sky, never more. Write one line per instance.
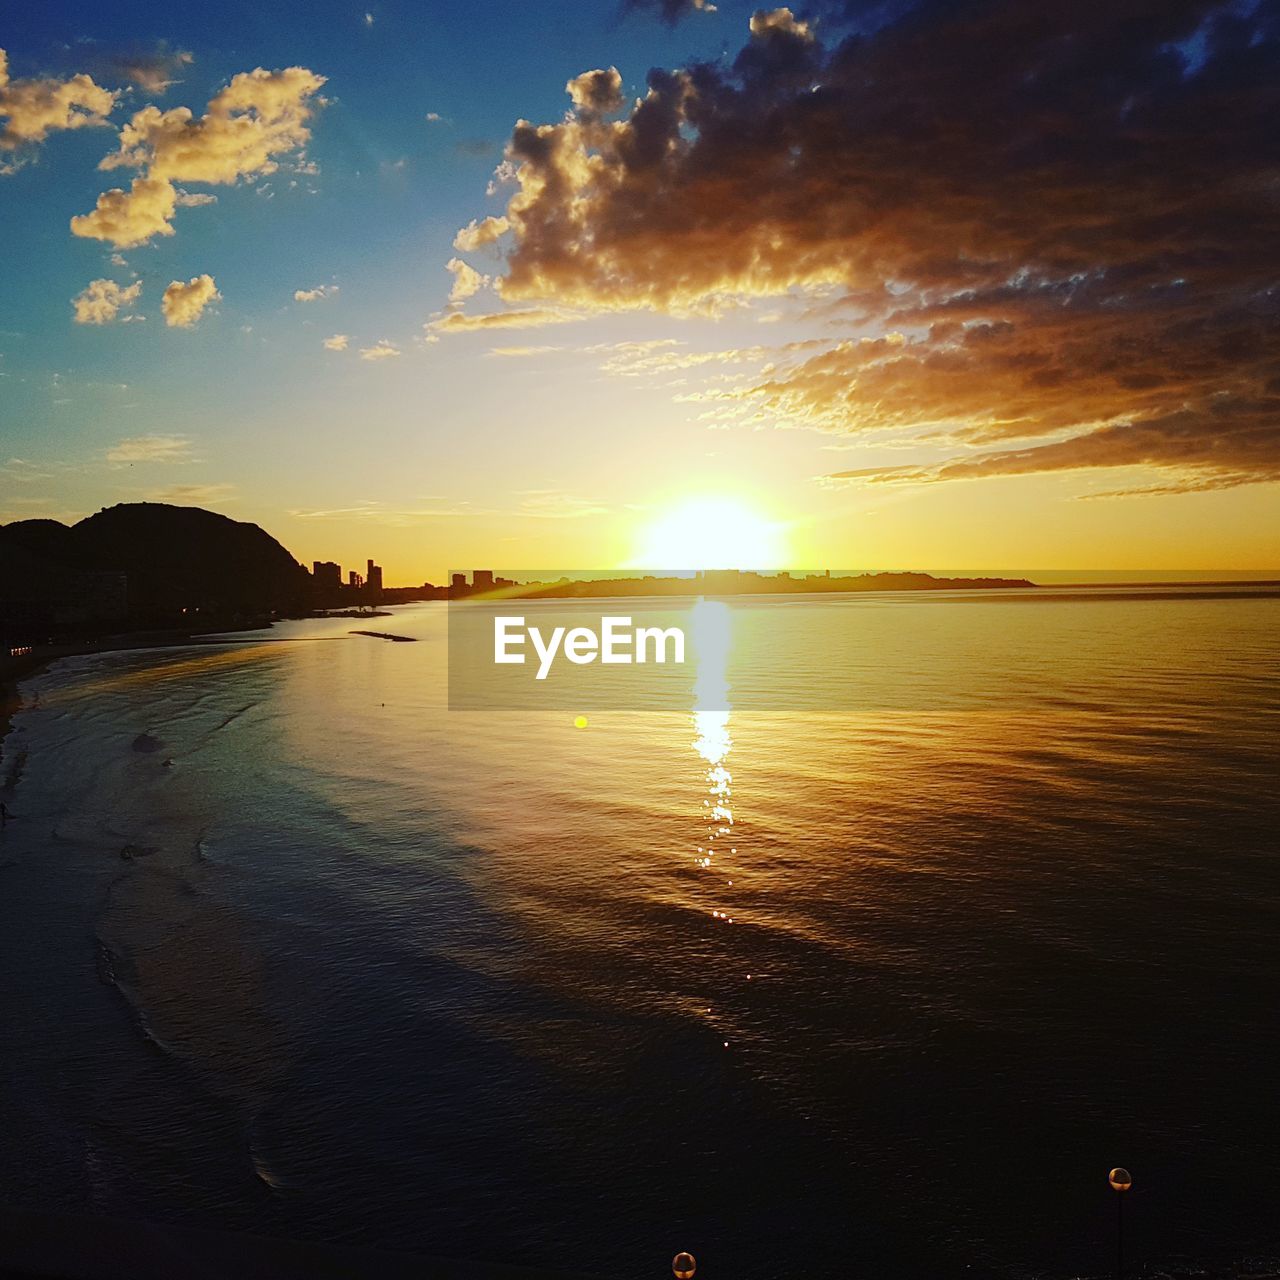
(969, 285)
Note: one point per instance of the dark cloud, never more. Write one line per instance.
(152, 68)
(1060, 224)
(670, 11)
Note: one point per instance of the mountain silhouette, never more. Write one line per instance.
(174, 559)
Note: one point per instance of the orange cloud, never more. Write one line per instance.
(102, 300)
(129, 218)
(32, 109)
(184, 304)
(258, 117)
(519, 318)
(1036, 235)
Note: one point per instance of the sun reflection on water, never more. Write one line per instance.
(712, 636)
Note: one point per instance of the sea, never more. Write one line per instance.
(847, 985)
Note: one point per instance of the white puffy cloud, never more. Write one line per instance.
(32, 109)
(102, 300)
(183, 304)
(338, 342)
(316, 294)
(382, 350)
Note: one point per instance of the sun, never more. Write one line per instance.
(713, 533)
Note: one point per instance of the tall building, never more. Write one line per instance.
(482, 579)
(354, 580)
(458, 584)
(326, 576)
(373, 578)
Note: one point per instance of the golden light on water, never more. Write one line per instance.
(713, 533)
(712, 634)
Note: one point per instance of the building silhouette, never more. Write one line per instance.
(326, 577)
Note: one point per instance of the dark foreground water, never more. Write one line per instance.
(286, 947)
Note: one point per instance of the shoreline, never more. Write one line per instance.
(13, 671)
(11, 703)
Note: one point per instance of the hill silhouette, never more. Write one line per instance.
(174, 559)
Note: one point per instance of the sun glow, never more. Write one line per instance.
(713, 533)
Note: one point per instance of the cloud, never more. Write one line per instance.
(260, 116)
(130, 218)
(316, 294)
(520, 318)
(519, 352)
(382, 350)
(467, 281)
(554, 504)
(671, 11)
(378, 513)
(102, 300)
(154, 70)
(532, 504)
(338, 342)
(195, 495)
(767, 22)
(33, 109)
(478, 234)
(184, 304)
(596, 92)
(24, 472)
(434, 117)
(150, 449)
(1039, 236)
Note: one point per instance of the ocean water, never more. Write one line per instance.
(879, 989)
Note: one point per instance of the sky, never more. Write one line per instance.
(971, 284)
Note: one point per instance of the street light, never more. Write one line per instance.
(1120, 1181)
(683, 1265)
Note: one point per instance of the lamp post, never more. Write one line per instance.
(1120, 1180)
(683, 1265)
